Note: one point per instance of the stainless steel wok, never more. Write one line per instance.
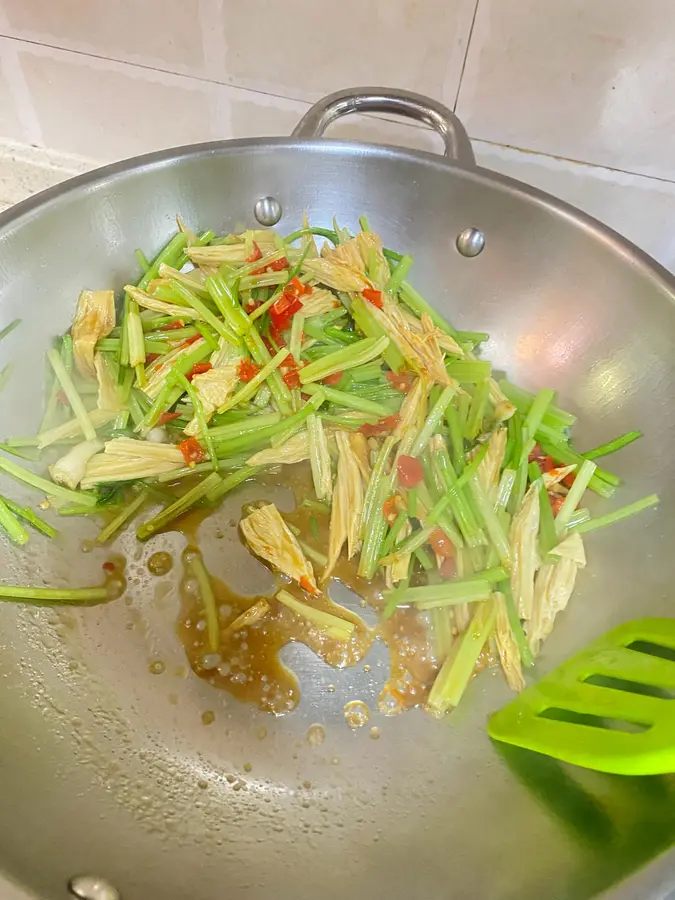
(108, 771)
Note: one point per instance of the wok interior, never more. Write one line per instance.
(108, 769)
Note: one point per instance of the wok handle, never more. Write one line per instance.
(393, 101)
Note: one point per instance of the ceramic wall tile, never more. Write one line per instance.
(304, 49)
(10, 122)
(590, 81)
(639, 208)
(163, 33)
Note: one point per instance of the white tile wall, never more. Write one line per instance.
(569, 95)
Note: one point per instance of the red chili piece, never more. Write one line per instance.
(401, 381)
(335, 378)
(108, 566)
(173, 326)
(441, 543)
(410, 471)
(151, 357)
(192, 451)
(198, 369)
(372, 296)
(384, 426)
(256, 255)
(247, 370)
(389, 509)
(168, 417)
(556, 501)
(448, 568)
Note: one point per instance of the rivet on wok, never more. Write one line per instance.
(470, 242)
(91, 887)
(267, 211)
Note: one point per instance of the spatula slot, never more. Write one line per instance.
(574, 718)
(630, 687)
(652, 649)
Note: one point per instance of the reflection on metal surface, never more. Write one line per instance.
(92, 887)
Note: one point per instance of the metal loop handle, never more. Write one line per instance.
(392, 101)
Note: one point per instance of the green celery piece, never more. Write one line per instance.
(399, 274)
(261, 355)
(345, 358)
(433, 420)
(237, 429)
(548, 537)
(195, 561)
(15, 530)
(613, 446)
(47, 596)
(623, 512)
(456, 671)
(554, 417)
(71, 393)
(491, 520)
(408, 545)
(122, 517)
(171, 251)
(49, 488)
(27, 514)
(516, 625)
(445, 593)
(8, 329)
(348, 400)
(582, 477)
(245, 393)
(474, 421)
(419, 305)
(334, 626)
(368, 324)
(225, 331)
(232, 481)
(179, 507)
(563, 453)
(468, 371)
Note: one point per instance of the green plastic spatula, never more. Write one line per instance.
(611, 707)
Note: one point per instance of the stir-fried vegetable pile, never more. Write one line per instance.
(237, 354)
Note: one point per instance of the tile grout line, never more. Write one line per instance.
(466, 56)
(576, 162)
(20, 94)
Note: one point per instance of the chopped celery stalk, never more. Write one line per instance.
(49, 488)
(261, 355)
(368, 324)
(196, 563)
(200, 416)
(8, 329)
(228, 331)
(622, 513)
(613, 446)
(445, 593)
(471, 530)
(232, 481)
(472, 337)
(468, 371)
(296, 336)
(237, 429)
(316, 506)
(399, 274)
(27, 514)
(564, 454)
(516, 626)
(554, 417)
(579, 516)
(456, 428)
(424, 559)
(456, 671)
(419, 305)
(492, 522)
(74, 398)
(15, 530)
(135, 340)
(346, 358)
(333, 626)
(45, 596)
(408, 545)
(5, 375)
(376, 477)
(411, 500)
(178, 507)
(319, 558)
(474, 421)
(506, 483)
(349, 401)
(537, 410)
(548, 536)
(433, 420)
(399, 522)
(169, 254)
(224, 295)
(121, 518)
(142, 260)
(244, 394)
(574, 495)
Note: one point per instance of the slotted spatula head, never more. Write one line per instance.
(610, 708)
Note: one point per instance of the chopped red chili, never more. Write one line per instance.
(372, 296)
(256, 255)
(277, 266)
(568, 480)
(108, 566)
(198, 369)
(188, 341)
(62, 398)
(384, 426)
(390, 510)
(291, 378)
(173, 326)
(335, 378)
(151, 357)
(556, 501)
(448, 568)
(247, 370)
(441, 543)
(306, 585)
(410, 471)
(401, 381)
(168, 417)
(192, 451)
